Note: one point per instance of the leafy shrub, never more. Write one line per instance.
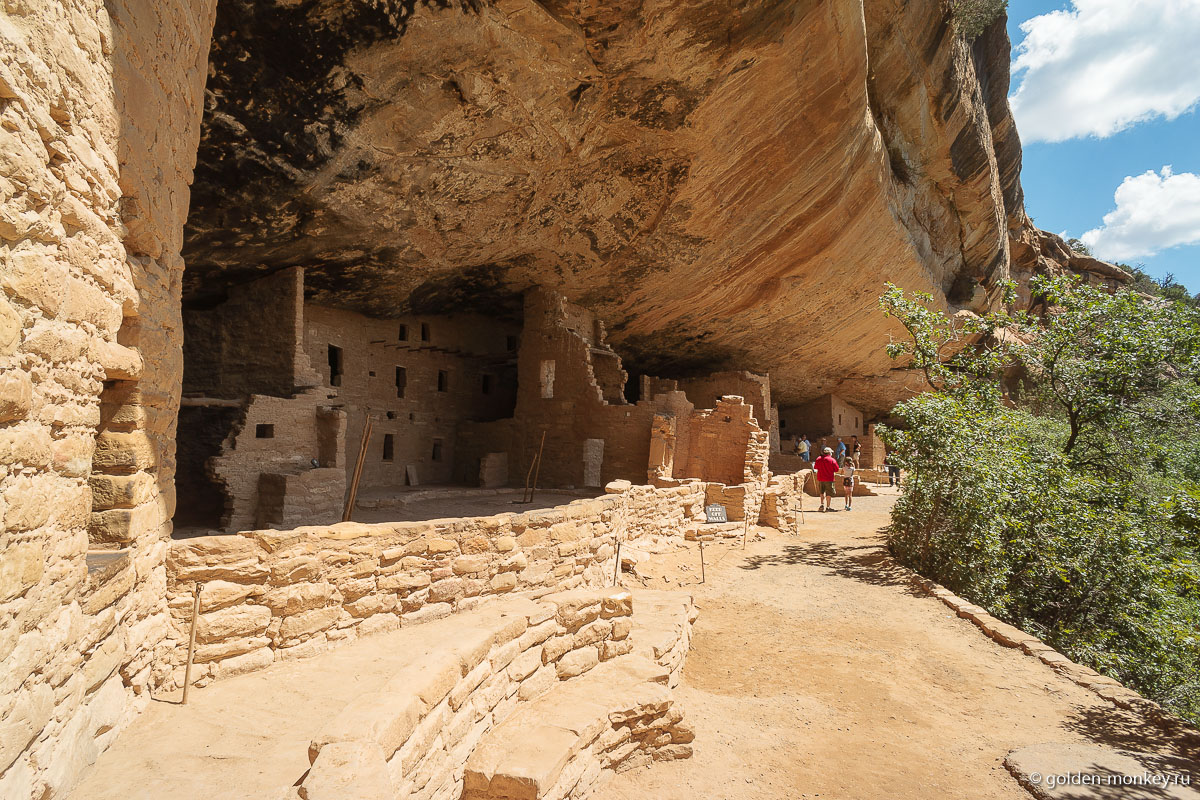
(1073, 511)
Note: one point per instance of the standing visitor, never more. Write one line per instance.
(848, 481)
(855, 450)
(826, 468)
(889, 461)
(805, 446)
(841, 451)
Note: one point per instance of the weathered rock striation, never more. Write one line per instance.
(728, 186)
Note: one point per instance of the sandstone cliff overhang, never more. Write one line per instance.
(727, 186)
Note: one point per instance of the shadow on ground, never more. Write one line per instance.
(867, 563)
(1125, 731)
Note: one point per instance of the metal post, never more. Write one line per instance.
(701, 560)
(187, 671)
(617, 566)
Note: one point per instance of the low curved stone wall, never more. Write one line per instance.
(269, 595)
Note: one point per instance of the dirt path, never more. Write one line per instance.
(817, 672)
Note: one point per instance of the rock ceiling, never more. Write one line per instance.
(728, 184)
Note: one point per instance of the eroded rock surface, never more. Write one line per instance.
(728, 185)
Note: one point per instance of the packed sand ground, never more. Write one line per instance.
(818, 672)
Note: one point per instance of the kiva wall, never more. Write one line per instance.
(271, 595)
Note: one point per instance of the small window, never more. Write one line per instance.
(402, 333)
(401, 381)
(443, 380)
(485, 384)
(335, 365)
(839, 419)
(264, 430)
(782, 424)
(424, 331)
(389, 447)
(371, 373)
(437, 450)
(547, 375)
(510, 343)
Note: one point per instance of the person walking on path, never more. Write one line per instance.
(826, 467)
(848, 470)
(841, 451)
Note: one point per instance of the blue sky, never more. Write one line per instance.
(1119, 96)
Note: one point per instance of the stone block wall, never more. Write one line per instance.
(283, 436)
(462, 370)
(100, 106)
(271, 595)
(250, 344)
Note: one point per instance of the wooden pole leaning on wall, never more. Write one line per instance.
(187, 671)
(701, 541)
(352, 497)
(536, 463)
(538, 469)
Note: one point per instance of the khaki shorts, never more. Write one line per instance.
(826, 487)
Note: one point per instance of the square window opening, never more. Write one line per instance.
(264, 430)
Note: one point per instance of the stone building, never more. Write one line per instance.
(277, 391)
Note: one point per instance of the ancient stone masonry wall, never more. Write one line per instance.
(754, 389)
(267, 468)
(250, 344)
(418, 377)
(827, 416)
(421, 378)
(592, 434)
(270, 595)
(99, 117)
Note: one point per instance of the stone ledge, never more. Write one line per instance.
(617, 717)
(469, 674)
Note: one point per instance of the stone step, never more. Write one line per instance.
(412, 738)
(662, 628)
(617, 716)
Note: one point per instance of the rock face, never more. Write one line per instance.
(729, 186)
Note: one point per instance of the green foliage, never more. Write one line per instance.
(971, 17)
(1073, 510)
(1166, 287)
(1079, 246)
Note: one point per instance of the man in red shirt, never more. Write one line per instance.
(826, 467)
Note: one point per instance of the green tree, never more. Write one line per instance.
(1070, 508)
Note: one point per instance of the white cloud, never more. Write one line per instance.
(1155, 211)
(1102, 65)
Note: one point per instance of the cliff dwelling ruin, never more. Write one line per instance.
(621, 253)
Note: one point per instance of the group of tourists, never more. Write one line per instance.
(833, 462)
(841, 462)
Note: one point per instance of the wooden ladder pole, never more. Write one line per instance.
(187, 671)
(348, 511)
(538, 471)
(701, 541)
